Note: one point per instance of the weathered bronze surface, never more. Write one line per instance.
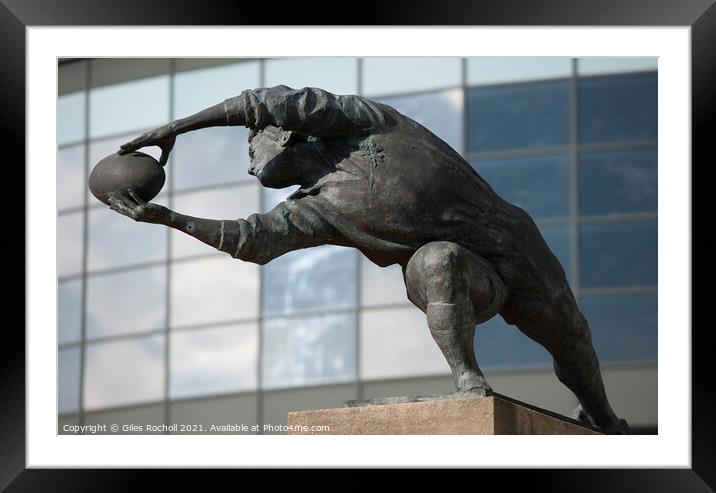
(373, 179)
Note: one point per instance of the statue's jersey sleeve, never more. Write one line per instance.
(310, 110)
(289, 226)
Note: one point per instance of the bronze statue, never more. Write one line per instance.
(373, 179)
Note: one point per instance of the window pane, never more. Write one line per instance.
(439, 112)
(70, 177)
(211, 156)
(116, 240)
(308, 350)
(124, 372)
(384, 76)
(336, 75)
(69, 244)
(496, 70)
(597, 65)
(618, 108)
(69, 311)
(68, 380)
(71, 118)
(198, 89)
(623, 328)
(559, 240)
(99, 149)
(501, 346)
(225, 203)
(539, 185)
(128, 106)
(618, 181)
(216, 360)
(618, 254)
(319, 278)
(271, 197)
(521, 116)
(126, 302)
(381, 285)
(396, 342)
(213, 290)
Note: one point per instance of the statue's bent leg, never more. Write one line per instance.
(562, 329)
(456, 289)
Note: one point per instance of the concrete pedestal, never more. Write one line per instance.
(489, 415)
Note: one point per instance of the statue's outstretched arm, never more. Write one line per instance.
(310, 110)
(259, 238)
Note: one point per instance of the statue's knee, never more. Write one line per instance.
(433, 265)
(438, 258)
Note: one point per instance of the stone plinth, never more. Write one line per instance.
(489, 415)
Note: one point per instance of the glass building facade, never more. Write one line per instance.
(155, 327)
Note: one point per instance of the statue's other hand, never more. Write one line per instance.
(163, 137)
(131, 205)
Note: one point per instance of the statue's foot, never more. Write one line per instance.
(473, 383)
(618, 427)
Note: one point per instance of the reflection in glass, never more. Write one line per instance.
(439, 112)
(68, 390)
(225, 203)
(497, 70)
(70, 118)
(601, 65)
(624, 328)
(215, 360)
(618, 254)
(539, 185)
(116, 240)
(129, 106)
(211, 156)
(271, 197)
(308, 350)
(126, 302)
(618, 108)
(69, 244)
(70, 177)
(396, 342)
(195, 90)
(519, 116)
(124, 372)
(319, 278)
(69, 311)
(213, 290)
(336, 75)
(386, 75)
(99, 149)
(618, 182)
(381, 285)
(499, 345)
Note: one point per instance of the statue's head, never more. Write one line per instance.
(278, 157)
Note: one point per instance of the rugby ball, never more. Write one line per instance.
(120, 173)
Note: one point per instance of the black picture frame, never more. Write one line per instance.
(699, 15)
